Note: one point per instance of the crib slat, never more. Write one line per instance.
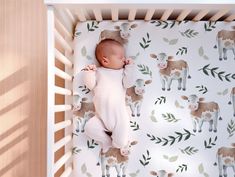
(80, 14)
(62, 125)
(62, 91)
(62, 108)
(200, 15)
(166, 14)
(230, 18)
(62, 74)
(62, 142)
(62, 161)
(62, 41)
(114, 14)
(59, 25)
(218, 15)
(97, 14)
(67, 172)
(149, 14)
(70, 15)
(132, 14)
(183, 15)
(63, 58)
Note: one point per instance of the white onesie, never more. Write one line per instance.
(109, 88)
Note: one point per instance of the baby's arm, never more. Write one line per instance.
(129, 73)
(89, 76)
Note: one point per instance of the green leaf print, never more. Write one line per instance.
(209, 144)
(84, 168)
(144, 69)
(92, 26)
(209, 26)
(189, 150)
(166, 24)
(222, 75)
(170, 140)
(146, 159)
(146, 42)
(153, 117)
(91, 144)
(170, 117)
(189, 33)
(84, 89)
(160, 100)
(182, 168)
(231, 128)
(202, 89)
(182, 51)
(134, 125)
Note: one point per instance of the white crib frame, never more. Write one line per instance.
(62, 15)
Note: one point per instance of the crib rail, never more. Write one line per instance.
(222, 10)
(58, 36)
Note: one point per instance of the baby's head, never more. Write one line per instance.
(110, 54)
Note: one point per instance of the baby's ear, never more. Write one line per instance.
(104, 60)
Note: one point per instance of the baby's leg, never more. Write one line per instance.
(95, 129)
(120, 135)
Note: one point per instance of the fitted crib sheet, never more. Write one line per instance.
(164, 129)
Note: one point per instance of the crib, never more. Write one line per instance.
(62, 15)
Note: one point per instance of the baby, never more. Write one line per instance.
(109, 83)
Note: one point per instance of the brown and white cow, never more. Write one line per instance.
(226, 41)
(226, 158)
(134, 95)
(82, 112)
(202, 112)
(232, 95)
(121, 34)
(114, 158)
(170, 69)
(161, 173)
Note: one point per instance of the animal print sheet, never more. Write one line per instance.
(184, 121)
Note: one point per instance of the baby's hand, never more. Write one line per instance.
(90, 68)
(129, 61)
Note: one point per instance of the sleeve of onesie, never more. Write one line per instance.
(89, 79)
(129, 75)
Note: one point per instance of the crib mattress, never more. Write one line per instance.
(165, 128)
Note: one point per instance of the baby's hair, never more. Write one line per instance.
(99, 50)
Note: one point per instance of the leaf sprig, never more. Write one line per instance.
(182, 51)
(134, 125)
(210, 143)
(182, 168)
(144, 69)
(220, 74)
(170, 140)
(160, 100)
(92, 26)
(209, 26)
(189, 33)
(84, 89)
(170, 117)
(146, 42)
(189, 150)
(231, 128)
(146, 159)
(202, 89)
(91, 144)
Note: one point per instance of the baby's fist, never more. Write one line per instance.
(90, 68)
(129, 61)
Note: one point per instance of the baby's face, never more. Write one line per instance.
(116, 58)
